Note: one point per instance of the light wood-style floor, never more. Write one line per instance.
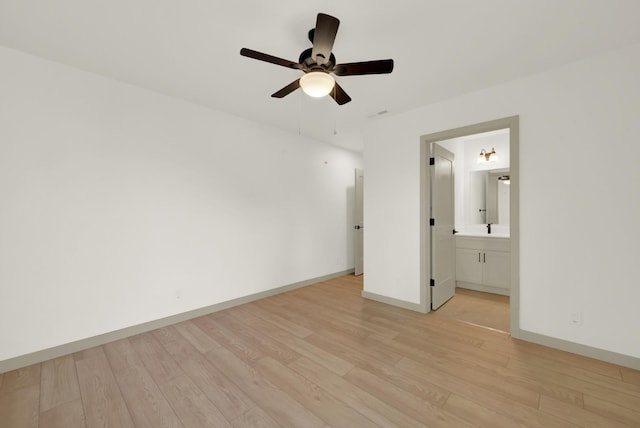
(316, 357)
(475, 307)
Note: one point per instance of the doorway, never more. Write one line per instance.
(493, 263)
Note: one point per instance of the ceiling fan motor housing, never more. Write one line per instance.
(310, 64)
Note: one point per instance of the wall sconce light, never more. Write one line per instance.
(487, 156)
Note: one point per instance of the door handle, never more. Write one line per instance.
(479, 258)
(484, 257)
(358, 227)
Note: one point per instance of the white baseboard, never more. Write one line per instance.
(481, 287)
(528, 336)
(68, 348)
(90, 342)
(394, 302)
(584, 350)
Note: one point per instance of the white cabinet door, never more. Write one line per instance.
(468, 265)
(483, 264)
(496, 269)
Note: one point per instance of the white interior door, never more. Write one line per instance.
(443, 249)
(359, 222)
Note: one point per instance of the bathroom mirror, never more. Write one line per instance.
(489, 196)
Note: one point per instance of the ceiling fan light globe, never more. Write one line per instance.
(317, 83)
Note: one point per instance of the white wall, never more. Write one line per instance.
(466, 151)
(579, 206)
(114, 200)
(500, 141)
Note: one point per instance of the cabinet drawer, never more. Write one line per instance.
(479, 243)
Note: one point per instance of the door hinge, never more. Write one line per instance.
(433, 282)
(432, 161)
(432, 222)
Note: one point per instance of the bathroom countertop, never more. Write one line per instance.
(484, 235)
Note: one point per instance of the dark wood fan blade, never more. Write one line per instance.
(270, 58)
(382, 66)
(339, 95)
(323, 38)
(287, 89)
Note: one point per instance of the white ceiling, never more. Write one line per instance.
(442, 48)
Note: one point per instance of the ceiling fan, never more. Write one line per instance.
(318, 63)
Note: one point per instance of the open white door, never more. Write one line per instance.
(443, 248)
(359, 222)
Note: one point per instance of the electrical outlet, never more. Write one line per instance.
(576, 318)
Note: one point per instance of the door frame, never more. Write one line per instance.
(511, 123)
(358, 233)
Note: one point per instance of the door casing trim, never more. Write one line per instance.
(513, 124)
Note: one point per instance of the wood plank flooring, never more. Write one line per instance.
(321, 356)
(476, 307)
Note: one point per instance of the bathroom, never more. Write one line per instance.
(482, 253)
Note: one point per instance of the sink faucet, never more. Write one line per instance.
(489, 228)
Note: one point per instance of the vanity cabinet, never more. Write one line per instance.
(483, 264)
